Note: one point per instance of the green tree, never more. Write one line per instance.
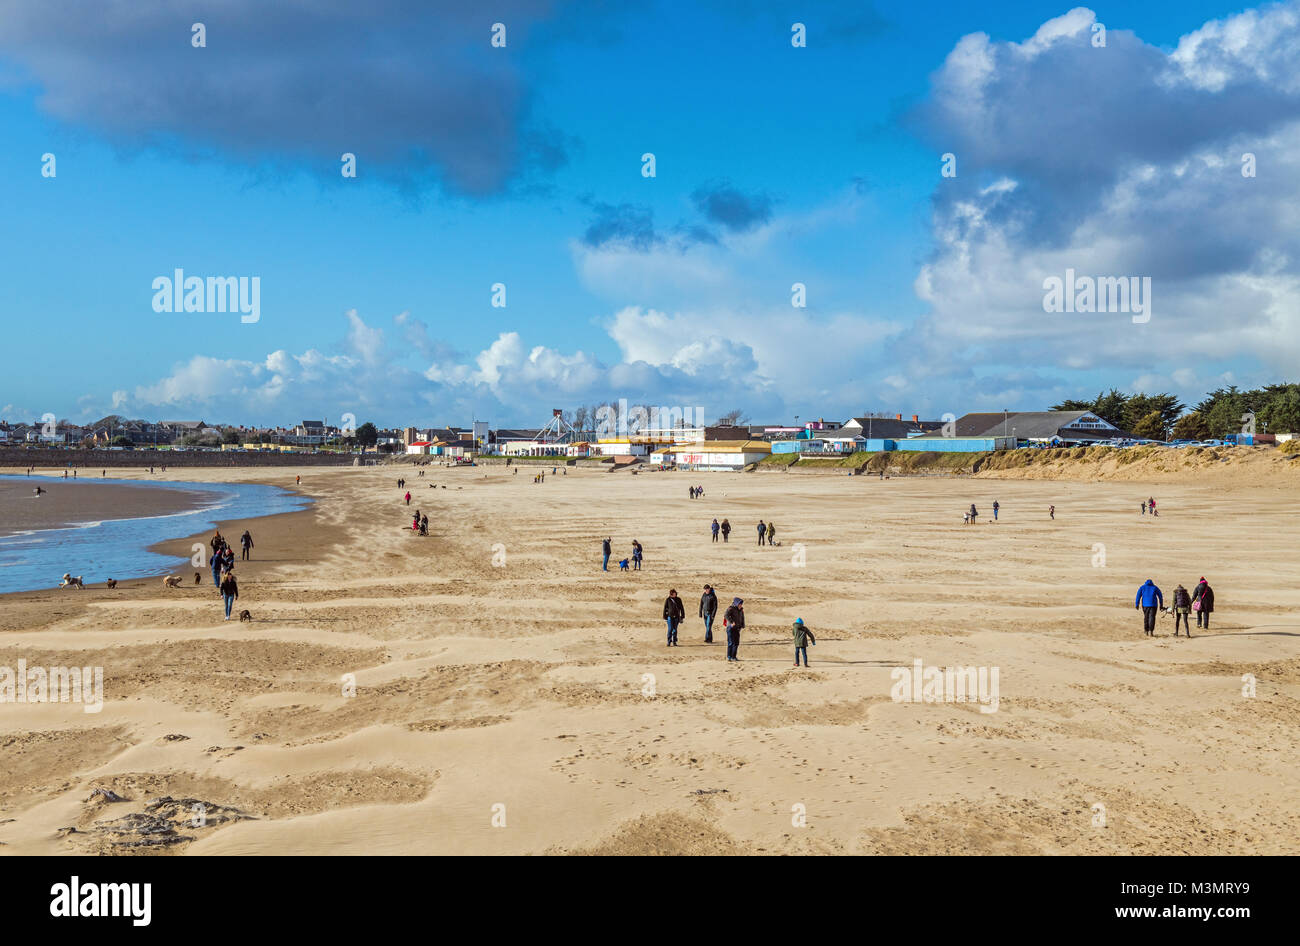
(367, 434)
(1191, 427)
(1150, 427)
(1139, 406)
(230, 435)
(1280, 414)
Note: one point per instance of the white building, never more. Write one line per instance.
(713, 455)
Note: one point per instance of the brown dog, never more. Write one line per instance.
(172, 581)
(197, 578)
(246, 615)
(112, 583)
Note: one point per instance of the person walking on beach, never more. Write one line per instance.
(415, 523)
(714, 528)
(424, 525)
(995, 510)
(708, 610)
(973, 513)
(674, 614)
(636, 555)
(690, 491)
(605, 550)
(771, 533)
(1152, 503)
(245, 546)
(1203, 602)
(229, 591)
(1051, 512)
(227, 558)
(726, 529)
(1150, 600)
(408, 497)
(1144, 507)
(762, 532)
(1182, 610)
(298, 480)
(734, 621)
(802, 636)
(215, 564)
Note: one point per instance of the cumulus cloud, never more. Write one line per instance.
(428, 97)
(1123, 160)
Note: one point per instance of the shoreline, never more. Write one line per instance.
(271, 533)
(90, 501)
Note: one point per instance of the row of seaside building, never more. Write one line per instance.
(733, 447)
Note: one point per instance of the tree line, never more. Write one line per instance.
(1274, 408)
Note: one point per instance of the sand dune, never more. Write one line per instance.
(525, 684)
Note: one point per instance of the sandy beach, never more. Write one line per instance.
(510, 697)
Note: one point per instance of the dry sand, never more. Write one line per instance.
(524, 685)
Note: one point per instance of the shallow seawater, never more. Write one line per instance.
(119, 548)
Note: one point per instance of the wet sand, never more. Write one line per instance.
(72, 502)
(496, 665)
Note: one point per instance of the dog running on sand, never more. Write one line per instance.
(111, 583)
(246, 615)
(172, 581)
(70, 582)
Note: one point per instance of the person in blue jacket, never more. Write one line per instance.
(1150, 600)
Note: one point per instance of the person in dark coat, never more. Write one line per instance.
(1205, 595)
(1150, 600)
(726, 529)
(674, 614)
(229, 591)
(715, 527)
(762, 532)
(734, 621)
(1182, 610)
(605, 550)
(708, 609)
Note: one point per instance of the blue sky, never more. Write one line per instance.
(521, 165)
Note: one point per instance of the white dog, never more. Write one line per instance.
(70, 582)
(172, 581)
